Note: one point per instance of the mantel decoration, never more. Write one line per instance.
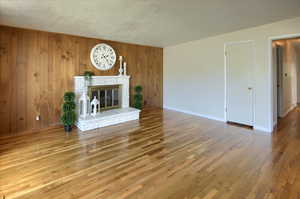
(103, 56)
(121, 62)
(88, 76)
(123, 67)
(68, 108)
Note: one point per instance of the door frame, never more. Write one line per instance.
(272, 122)
(279, 79)
(226, 74)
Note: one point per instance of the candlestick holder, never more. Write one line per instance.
(120, 71)
(125, 69)
(121, 63)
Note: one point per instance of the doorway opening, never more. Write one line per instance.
(286, 76)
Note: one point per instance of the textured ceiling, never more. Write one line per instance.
(149, 22)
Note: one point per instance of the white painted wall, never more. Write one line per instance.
(289, 77)
(297, 50)
(194, 72)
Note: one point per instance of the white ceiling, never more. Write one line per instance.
(149, 22)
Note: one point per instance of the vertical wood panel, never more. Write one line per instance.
(44, 94)
(13, 83)
(22, 54)
(36, 68)
(4, 78)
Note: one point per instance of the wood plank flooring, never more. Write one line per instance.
(164, 155)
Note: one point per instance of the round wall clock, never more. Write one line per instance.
(103, 57)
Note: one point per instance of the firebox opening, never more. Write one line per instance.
(108, 95)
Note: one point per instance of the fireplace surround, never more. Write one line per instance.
(105, 88)
(122, 81)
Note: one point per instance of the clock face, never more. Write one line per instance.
(103, 57)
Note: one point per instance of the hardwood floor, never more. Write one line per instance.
(165, 155)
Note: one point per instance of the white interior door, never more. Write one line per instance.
(239, 85)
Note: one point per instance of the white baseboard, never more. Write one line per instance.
(196, 114)
(275, 124)
(260, 128)
(289, 110)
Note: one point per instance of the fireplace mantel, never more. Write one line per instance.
(80, 85)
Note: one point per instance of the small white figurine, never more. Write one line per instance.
(95, 104)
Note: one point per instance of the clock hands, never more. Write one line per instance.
(106, 58)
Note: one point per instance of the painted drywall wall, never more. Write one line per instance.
(289, 78)
(289, 75)
(297, 50)
(194, 72)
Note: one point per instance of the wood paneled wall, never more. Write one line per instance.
(36, 68)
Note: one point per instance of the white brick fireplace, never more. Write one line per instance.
(123, 81)
(109, 117)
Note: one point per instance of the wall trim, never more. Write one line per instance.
(194, 113)
(261, 128)
(289, 110)
(271, 77)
